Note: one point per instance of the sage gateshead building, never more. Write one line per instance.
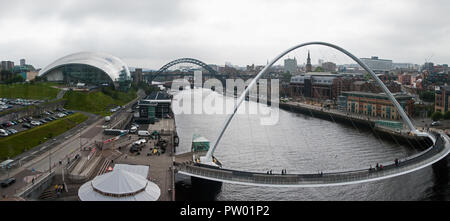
(90, 68)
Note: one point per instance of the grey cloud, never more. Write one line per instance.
(157, 13)
(152, 33)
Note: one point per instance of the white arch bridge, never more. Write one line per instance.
(207, 169)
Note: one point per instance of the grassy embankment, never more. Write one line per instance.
(37, 91)
(98, 102)
(16, 144)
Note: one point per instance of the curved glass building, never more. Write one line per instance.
(91, 68)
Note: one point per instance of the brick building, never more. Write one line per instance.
(377, 105)
(442, 98)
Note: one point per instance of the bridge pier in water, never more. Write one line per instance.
(189, 188)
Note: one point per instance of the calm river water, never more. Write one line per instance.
(303, 144)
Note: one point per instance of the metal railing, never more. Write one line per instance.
(405, 165)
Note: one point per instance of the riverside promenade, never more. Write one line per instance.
(357, 121)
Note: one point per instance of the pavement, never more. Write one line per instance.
(159, 171)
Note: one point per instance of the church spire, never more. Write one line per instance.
(308, 63)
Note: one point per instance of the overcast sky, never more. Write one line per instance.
(151, 33)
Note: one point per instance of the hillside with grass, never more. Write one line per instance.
(16, 144)
(36, 91)
(98, 102)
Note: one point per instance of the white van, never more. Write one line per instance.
(143, 133)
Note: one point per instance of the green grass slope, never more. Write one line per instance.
(35, 91)
(97, 102)
(16, 144)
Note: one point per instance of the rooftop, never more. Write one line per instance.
(380, 95)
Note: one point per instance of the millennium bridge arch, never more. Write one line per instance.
(181, 61)
(208, 157)
(205, 168)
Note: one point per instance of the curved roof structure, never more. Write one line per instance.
(119, 185)
(111, 65)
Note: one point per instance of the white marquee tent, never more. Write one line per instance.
(124, 183)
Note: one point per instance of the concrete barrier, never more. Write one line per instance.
(33, 191)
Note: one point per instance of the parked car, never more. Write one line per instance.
(3, 133)
(26, 125)
(61, 115)
(133, 129)
(8, 182)
(35, 123)
(13, 131)
(53, 118)
(43, 121)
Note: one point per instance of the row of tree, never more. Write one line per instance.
(438, 116)
(8, 77)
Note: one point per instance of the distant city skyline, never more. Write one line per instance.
(149, 34)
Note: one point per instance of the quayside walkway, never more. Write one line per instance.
(413, 163)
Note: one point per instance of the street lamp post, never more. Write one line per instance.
(49, 160)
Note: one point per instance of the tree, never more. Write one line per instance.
(40, 79)
(318, 69)
(5, 75)
(16, 78)
(436, 116)
(427, 96)
(447, 115)
(287, 76)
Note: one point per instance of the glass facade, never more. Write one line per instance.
(91, 68)
(84, 73)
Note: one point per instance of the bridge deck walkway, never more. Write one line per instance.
(410, 164)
